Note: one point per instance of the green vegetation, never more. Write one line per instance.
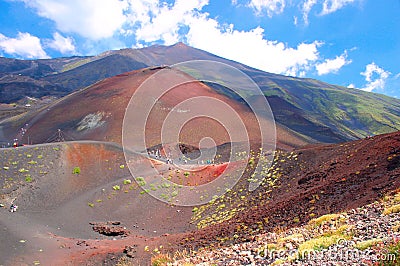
(140, 181)
(392, 209)
(161, 260)
(76, 64)
(328, 218)
(76, 170)
(23, 170)
(392, 254)
(28, 178)
(353, 112)
(324, 241)
(127, 181)
(368, 243)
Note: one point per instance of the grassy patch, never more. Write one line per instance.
(363, 245)
(328, 218)
(161, 260)
(321, 242)
(392, 209)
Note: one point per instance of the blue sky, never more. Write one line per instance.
(353, 43)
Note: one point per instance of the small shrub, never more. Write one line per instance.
(327, 218)
(397, 197)
(28, 178)
(392, 209)
(121, 166)
(90, 204)
(363, 245)
(76, 170)
(127, 181)
(161, 260)
(140, 181)
(116, 187)
(318, 244)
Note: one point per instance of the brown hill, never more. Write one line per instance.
(97, 113)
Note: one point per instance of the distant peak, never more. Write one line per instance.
(180, 45)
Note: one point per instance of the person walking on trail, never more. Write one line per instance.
(13, 208)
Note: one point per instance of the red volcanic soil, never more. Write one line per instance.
(97, 113)
(309, 182)
(321, 180)
(197, 175)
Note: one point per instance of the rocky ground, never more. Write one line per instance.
(277, 223)
(368, 235)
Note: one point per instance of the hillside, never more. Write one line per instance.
(97, 113)
(319, 111)
(65, 190)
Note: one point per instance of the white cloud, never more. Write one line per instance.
(250, 47)
(332, 65)
(327, 7)
(166, 21)
(24, 45)
(64, 45)
(375, 77)
(269, 6)
(306, 8)
(152, 21)
(88, 18)
(330, 6)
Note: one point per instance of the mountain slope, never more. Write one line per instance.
(324, 112)
(318, 111)
(97, 113)
(91, 72)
